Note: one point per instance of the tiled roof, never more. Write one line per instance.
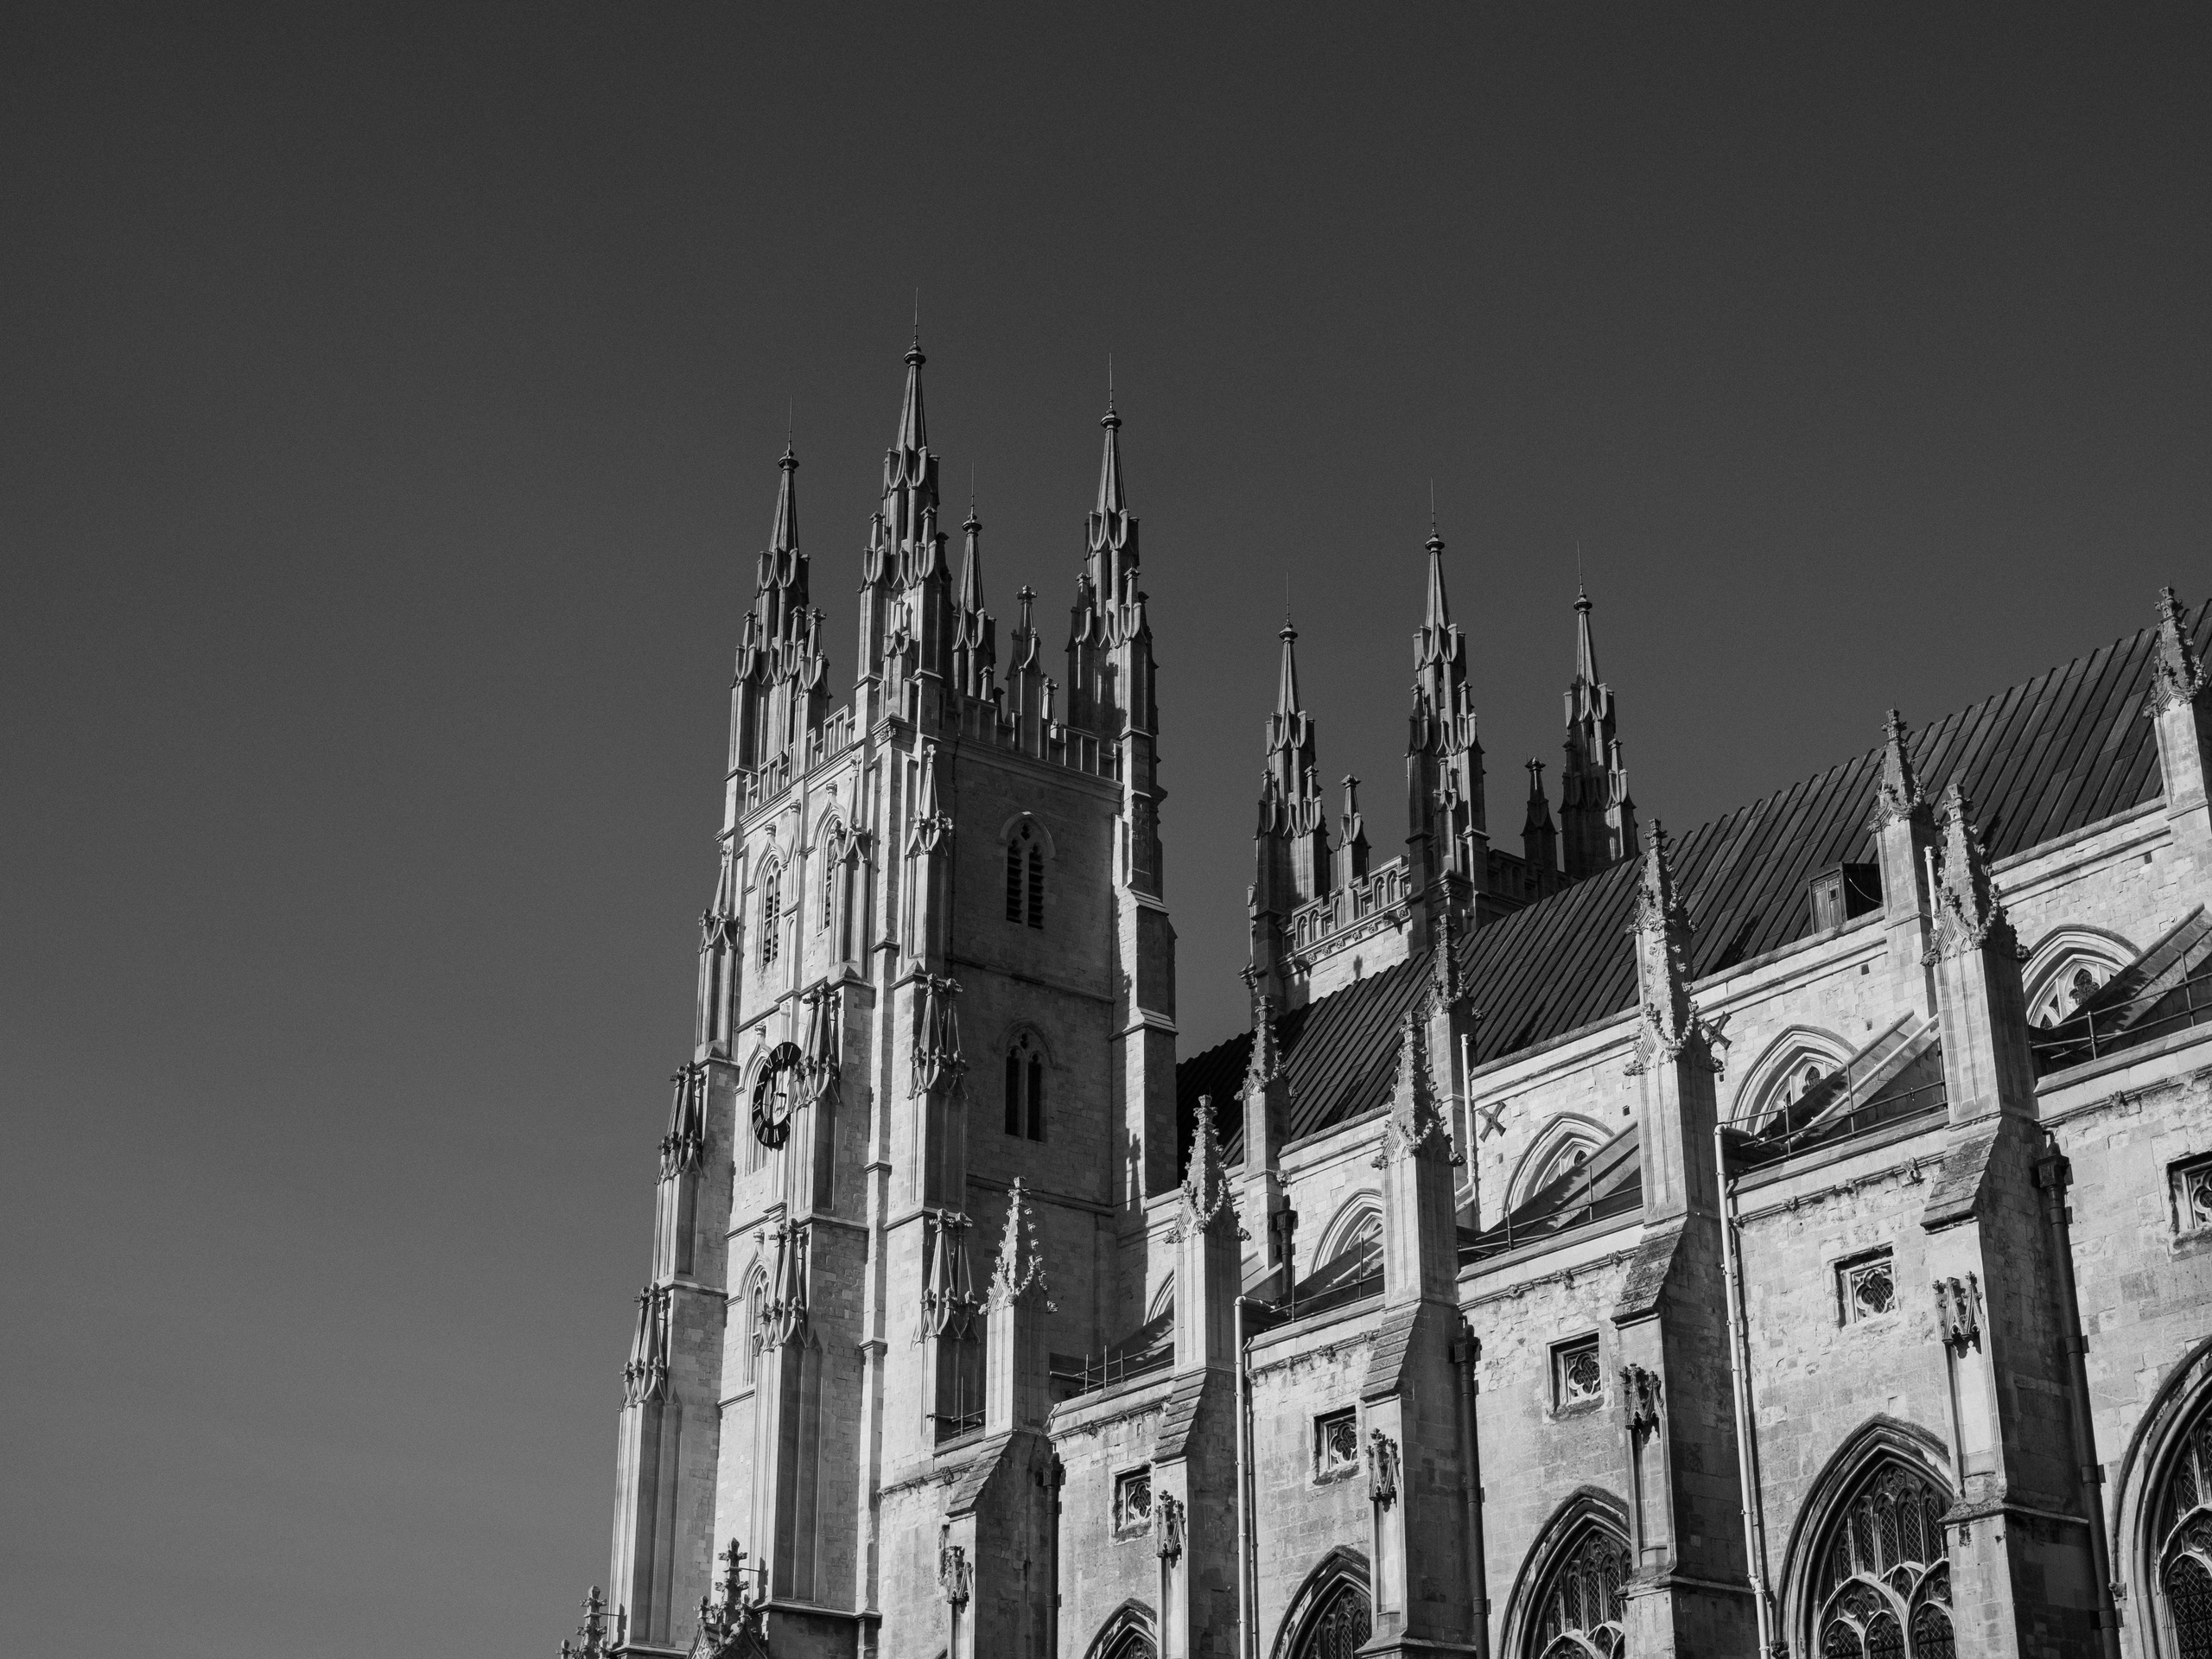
(2049, 756)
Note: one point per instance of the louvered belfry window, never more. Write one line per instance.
(1025, 877)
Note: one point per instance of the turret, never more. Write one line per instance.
(975, 633)
(1447, 840)
(1539, 840)
(1291, 861)
(781, 688)
(906, 610)
(1597, 817)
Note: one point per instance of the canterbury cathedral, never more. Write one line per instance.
(1790, 1236)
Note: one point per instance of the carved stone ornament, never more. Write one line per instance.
(1019, 1267)
(595, 1640)
(1267, 1058)
(819, 1066)
(948, 1298)
(783, 1313)
(954, 1576)
(1897, 793)
(1167, 1528)
(1672, 1026)
(1640, 1399)
(1206, 1199)
(645, 1375)
(1382, 1468)
(1958, 1313)
(937, 1062)
(683, 1148)
(734, 1622)
(2176, 674)
(1415, 1127)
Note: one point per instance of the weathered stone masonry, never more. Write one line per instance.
(1790, 1237)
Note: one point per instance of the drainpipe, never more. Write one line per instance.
(1466, 1353)
(1247, 1584)
(2053, 1174)
(1740, 1376)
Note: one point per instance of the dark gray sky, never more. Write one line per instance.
(391, 402)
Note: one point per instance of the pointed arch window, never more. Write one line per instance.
(1340, 1627)
(2181, 1542)
(1881, 1585)
(749, 1314)
(1024, 875)
(1578, 1612)
(1025, 1089)
(1332, 1616)
(772, 905)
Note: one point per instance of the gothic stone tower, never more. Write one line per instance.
(936, 1015)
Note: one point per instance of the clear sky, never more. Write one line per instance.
(391, 397)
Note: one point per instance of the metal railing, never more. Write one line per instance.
(1509, 1234)
(1756, 1152)
(2093, 1033)
(1092, 1375)
(1344, 1293)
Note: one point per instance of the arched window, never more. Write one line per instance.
(1795, 1063)
(749, 1323)
(1881, 1580)
(1578, 1613)
(1340, 1626)
(2181, 1542)
(1126, 1635)
(1025, 1089)
(1024, 875)
(772, 905)
(1355, 1230)
(1332, 1616)
(2067, 969)
(1561, 1147)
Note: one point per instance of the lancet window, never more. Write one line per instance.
(1024, 875)
(2181, 1543)
(1882, 1580)
(1025, 1089)
(771, 902)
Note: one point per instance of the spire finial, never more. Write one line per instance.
(918, 320)
(1109, 383)
(1287, 703)
(973, 522)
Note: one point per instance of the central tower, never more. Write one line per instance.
(933, 1072)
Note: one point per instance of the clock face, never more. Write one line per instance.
(775, 1095)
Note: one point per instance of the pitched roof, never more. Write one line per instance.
(2040, 760)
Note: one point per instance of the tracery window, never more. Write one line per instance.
(1336, 1445)
(1024, 876)
(1578, 1614)
(1338, 1626)
(1133, 1503)
(1577, 1377)
(749, 1312)
(2182, 1543)
(1866, 1286)
(1882, 1581)
(1025, 1089)
(2191, 1185)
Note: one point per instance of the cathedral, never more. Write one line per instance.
(1792, 1236)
